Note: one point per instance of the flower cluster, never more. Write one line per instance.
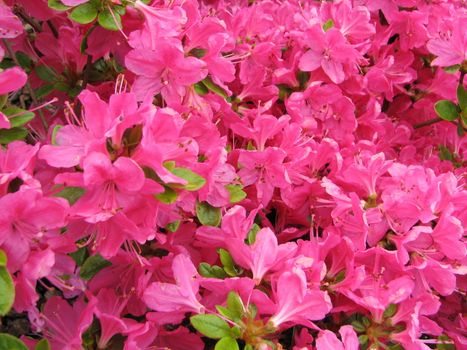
(233, 174)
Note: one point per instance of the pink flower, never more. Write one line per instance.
(262, 255)
(410, 25)
(108, 310)
(12, 79)
(179, 297)
(10, 25)
(328, 50)
(265, 169)
(296, 303)
(328, 340)
(73, 2)
(165, 70)
(452, 48)
(25, 218)
(108, 186)
(65, 324)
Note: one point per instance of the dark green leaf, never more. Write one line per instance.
(46, 74)
(3, 100)
(226, 343)
(358, 326)
(9, 342)
(79, 256)
(446, 110)
(71, 194)
(445, 153)
(110, 21)
(236, 193)
(207, 214)
(197, 52)
(7, 292)
(44, 90)
(84, 13)
(460, 130)
(84, 42)
(13, 134)
(57, 5)
(462, 97)
(211, 326)
(43, 344)
(92, 266)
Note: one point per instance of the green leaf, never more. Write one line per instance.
(251, 238)
(84, 42)
(92, 266)
(229, 264)
(390, 311)
(227, 343)
(328, 25)
(3, 100)
(85, 13)
(214, 88)
(460, 130)
(46, 74)
(173, 226)
(7, 292)
(209, 271)
(18, 116)
(3, 258)
(445, 343)
(363, 339)
(225, 312)
(109, 21)
(445, 153)
(452, 69)
(71, 194)
(358, 326)
(446, 110)
(9, 342)
(201, 89)
(57, 5)
(235, 305)
(211, 326)
(13, 134)
(79, 256)
(236, 193)
(43, 344)
(195, 181)
(462, 97)
(198, 52)
(44, 90)
(248, 347)
(207, 214)
(54, 134)
(169, 196)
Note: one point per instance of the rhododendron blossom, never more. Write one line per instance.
(233, 175)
